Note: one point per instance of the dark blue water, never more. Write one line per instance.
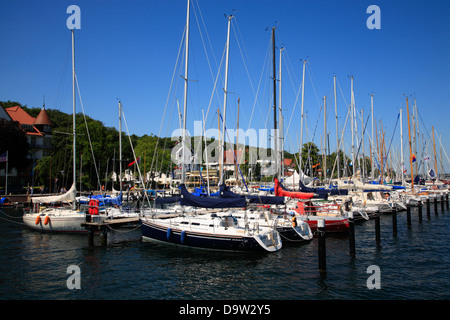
(415, 264)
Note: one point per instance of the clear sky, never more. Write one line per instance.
(128, 50)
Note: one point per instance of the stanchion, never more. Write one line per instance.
(322, 245)
(351, 231)
(377, 229)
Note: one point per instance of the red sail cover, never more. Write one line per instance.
(279, 191)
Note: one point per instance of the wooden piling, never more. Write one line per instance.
(377, 229)
(351, 230)
(104, 227)
(446, 200)
(435, 206)
(394, 222)
(420, 211)
(322, 245)
(428, 208)
(442, 202)
(408, 216)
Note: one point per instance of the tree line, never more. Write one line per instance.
(95, 164)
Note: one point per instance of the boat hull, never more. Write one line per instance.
(295, 234)
(332, 224)
(217, 241)
(57, 220)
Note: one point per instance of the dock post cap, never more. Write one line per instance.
(321, 223)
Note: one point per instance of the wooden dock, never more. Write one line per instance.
(118, 229)
(110, 229)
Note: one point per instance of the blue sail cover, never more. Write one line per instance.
(225, 192)
(105, 200)
(322, 192)
(188, 199)
(114, 201)
(165, 200)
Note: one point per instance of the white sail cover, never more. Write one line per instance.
(292, 181)
(369, 186)
(69, 196)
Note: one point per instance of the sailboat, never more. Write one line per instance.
(60, 213)
(208, 230)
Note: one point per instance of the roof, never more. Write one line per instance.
(43, 118)
(287, 162)
(18, 114)
(229, 156)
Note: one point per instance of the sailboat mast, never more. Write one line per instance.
(301, 121)
(281, 123)
(372, 154)
(275, 138)
(120, 146)
(402, 163)
(74, 112)
(337, 131)
(324, 138)
(183, 166)
(353, 130)
(410, 147)
(435, 158)
(225, 90)
(237, 144)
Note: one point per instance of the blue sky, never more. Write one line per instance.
(128, 50)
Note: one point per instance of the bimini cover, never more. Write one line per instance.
(188, 199)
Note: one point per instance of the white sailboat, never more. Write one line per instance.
(59, 213)
(202, 230)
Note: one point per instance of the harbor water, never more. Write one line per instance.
(414, 264)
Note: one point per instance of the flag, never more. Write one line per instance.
(427, 158)
(413, 158)
(4, 157)
(431, 173)
(316, 165)
(137, 161)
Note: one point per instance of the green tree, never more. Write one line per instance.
(14, 140)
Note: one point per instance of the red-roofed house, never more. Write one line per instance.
(288, 165)
(38, 130)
